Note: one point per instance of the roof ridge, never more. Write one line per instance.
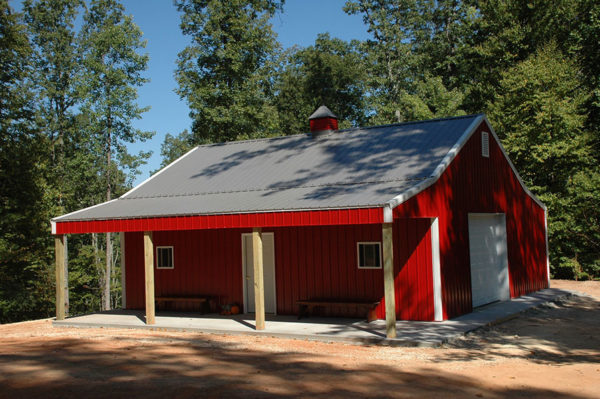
(334, 132)
(413, 122)
(281, 188)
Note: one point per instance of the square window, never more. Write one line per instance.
(164, 258)
(369, 255)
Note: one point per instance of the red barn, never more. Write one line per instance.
(421, 220)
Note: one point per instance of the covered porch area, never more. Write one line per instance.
(151, 231)
(357, 331)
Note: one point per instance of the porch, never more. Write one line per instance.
(409, 333)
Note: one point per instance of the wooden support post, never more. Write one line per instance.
(66, 275)
(59, 252)
(149, 273)
(388, 280)
(259, 287)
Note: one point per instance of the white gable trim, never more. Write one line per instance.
(441, 168)
(159, 172)
(58, 219)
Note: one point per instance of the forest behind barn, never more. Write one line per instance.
(71, 69)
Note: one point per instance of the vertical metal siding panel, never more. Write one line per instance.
(403, 275)
(284, 269)
(316, 277)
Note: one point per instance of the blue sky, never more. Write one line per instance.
(299, 24)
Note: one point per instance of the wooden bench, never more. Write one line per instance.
(307, 305)
(204, 301)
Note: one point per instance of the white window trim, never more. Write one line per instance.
(172, 257)
(358, 255)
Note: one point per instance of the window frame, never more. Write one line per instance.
(172, 257)
(485, 144)
(358, 244)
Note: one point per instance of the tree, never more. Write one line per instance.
(25, 285)
(56, 61)
(112, 71)
(174, 147)
(539, 113)
(416, 51)
(328, 73)
(224, 74)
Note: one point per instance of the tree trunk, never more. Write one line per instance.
(109, 249)
(98, 268)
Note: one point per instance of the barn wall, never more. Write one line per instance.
(474, 184)
(207, 262)
(309, 262)
(322, 262)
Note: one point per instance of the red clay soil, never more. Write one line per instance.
(553, 351)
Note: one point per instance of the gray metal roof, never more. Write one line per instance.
(322, 112)
(353, 168)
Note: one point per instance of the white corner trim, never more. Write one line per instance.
(53, 226)
(58, 218)
(547, 247)
(533, 197)
(159, 172)
(446, 161)
(388, 214)
(438, 314)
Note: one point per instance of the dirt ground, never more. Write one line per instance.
(549, 352)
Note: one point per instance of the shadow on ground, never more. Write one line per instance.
(562, 332)
(186, 368)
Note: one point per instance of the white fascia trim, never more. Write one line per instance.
(159, 172)
(438, 314)
(533, 197)
(547, 247)
(405, 196)
(58, 219)
(53, 226)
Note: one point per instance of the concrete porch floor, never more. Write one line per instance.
(410, 333)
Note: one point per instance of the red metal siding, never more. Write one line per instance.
(323, 124)
(207, 262)
(309, 262)
(242, 220)
(322, 262)
(475, 184)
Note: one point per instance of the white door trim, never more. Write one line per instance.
(244, 266)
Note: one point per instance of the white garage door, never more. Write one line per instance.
(489, 262)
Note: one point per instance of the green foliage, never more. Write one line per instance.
(174, 147)
(328, 73)
(24, 260)
(53, 147)
(415, 59)
(539, 113)
(224, 74)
